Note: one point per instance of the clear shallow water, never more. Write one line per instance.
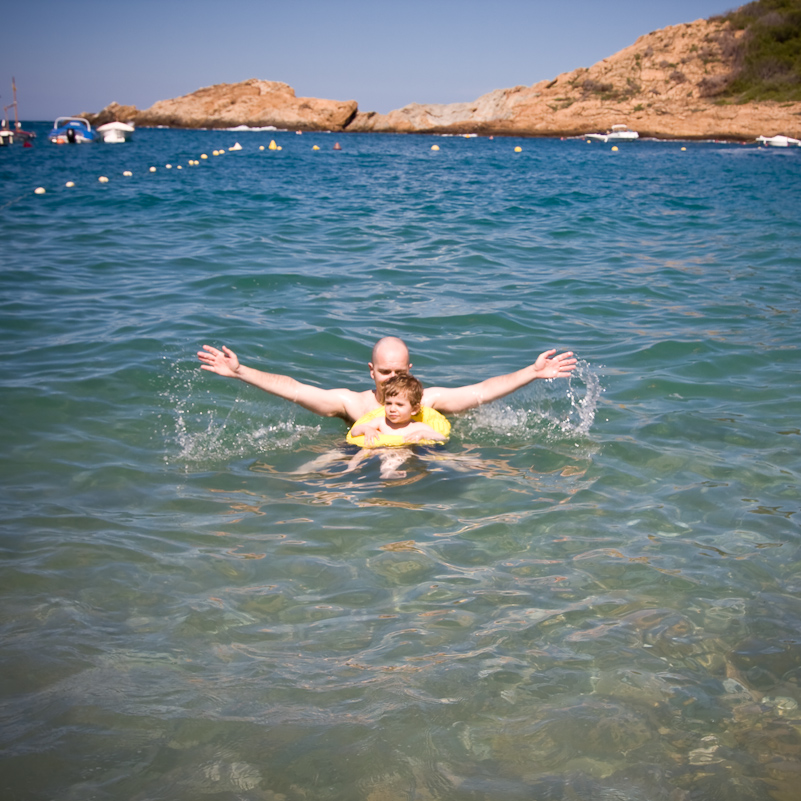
(593, 592)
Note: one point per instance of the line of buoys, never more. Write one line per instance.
(40, 190)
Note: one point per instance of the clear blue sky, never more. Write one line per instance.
(79, 55)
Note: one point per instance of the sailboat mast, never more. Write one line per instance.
(14, 92)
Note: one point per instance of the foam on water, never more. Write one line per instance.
(222, 441)
(249, 128)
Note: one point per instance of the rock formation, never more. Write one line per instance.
(254, 103)
(113, 112)
(665, 85)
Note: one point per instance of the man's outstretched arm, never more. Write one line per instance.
(325, 402)
(460, 399)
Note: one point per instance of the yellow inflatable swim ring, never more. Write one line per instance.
(431, 417)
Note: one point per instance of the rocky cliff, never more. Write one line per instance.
(665, 85)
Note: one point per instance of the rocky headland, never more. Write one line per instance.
(665, 85)
(254, 103)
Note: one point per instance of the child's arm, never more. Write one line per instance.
(422, 431)
(370, 431)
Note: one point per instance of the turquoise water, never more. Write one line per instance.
(592, 592)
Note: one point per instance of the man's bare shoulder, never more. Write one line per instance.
(357, 404)
(430, 396)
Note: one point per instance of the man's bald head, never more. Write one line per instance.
(390, 358)
(390, 348)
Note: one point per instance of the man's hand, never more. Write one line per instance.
(550, 366)
(222, 362)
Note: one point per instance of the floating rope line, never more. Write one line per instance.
(40, 190)
(11, 202)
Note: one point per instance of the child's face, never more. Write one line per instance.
(398, 409)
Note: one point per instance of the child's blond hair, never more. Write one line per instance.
(404, 384)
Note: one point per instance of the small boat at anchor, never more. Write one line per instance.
(115, 132)
(618, 133)
(72, 131)
(9, 134)
(779, 141)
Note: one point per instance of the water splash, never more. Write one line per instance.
(234, 438)
(583, 392)
(554, 408)
(199, 431)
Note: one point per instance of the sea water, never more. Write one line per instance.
(593, 591)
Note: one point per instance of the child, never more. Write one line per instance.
(402, 397)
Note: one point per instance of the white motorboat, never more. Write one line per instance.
(778, 141)
(619, 133)
(115, 132)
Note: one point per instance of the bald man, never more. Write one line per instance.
(390, 357)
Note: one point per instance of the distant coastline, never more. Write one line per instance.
(666, 85)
